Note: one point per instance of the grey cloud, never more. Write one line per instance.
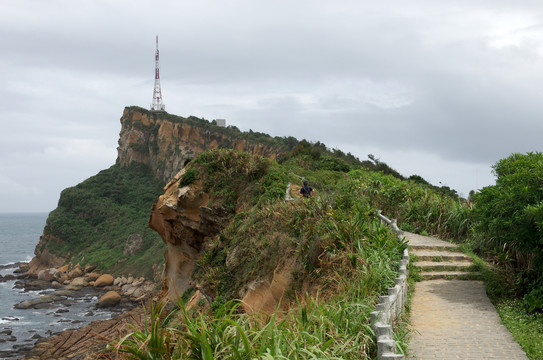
(444, 81)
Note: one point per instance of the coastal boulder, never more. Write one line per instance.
(47, 274)
(89, 268)
(111, 298)
(44, 299)
(79, 282)
(75, 273)
(104, 280)
(62, 278)
(93, 276)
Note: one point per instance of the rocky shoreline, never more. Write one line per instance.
(72, 297)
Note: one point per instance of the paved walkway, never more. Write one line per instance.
(454, 319)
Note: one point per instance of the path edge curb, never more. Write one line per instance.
(390, 306)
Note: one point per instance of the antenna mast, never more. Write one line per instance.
(157, 104)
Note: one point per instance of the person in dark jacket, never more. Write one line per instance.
(306, 190)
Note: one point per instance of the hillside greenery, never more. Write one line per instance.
(342, 258)
(94, 220)
(508, 223)
(334, 239)
(338, 246)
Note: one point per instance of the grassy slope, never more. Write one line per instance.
(344, 259)
(94, 219)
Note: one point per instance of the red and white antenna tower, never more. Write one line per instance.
(157, 104)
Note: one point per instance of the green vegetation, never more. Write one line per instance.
(191, 175)
(417, 207)
(509, 222)
(339, 256)
(94, 220)
(231, 177)
(526, 328)
(314, 330)
(341, 259)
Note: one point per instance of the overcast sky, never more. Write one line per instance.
(441, 89)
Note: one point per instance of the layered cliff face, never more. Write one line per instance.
(165, 142)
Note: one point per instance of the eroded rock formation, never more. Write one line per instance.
(184, 221)
(187, 221)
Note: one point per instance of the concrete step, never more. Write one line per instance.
(456, 275)
(433, 247)
(416, 241)
(439, 256)
(444, 265)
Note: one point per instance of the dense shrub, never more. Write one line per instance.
(509, 220)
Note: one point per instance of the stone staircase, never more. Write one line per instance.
(439, 259)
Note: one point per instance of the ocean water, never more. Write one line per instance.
(19, 235)
(20, 329)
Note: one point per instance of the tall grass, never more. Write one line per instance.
(150, 340)
(357, 264)
(418, 207)
(343, 260)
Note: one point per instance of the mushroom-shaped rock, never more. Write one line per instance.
(111, 298)
(104, 280)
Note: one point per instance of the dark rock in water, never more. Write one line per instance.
(23, 347)
(36, 285)
(44, 305)
(19, 285)
(64, 321)
(6, 332)
(34, 303)
(60, 311)
(68, 293)
(11, 338)
(22, 267)
(10, 318)
(8, 277)
(77, 321)
(10, 266)
(90, 313)
(36, 336)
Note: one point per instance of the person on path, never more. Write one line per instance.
(306, 190)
